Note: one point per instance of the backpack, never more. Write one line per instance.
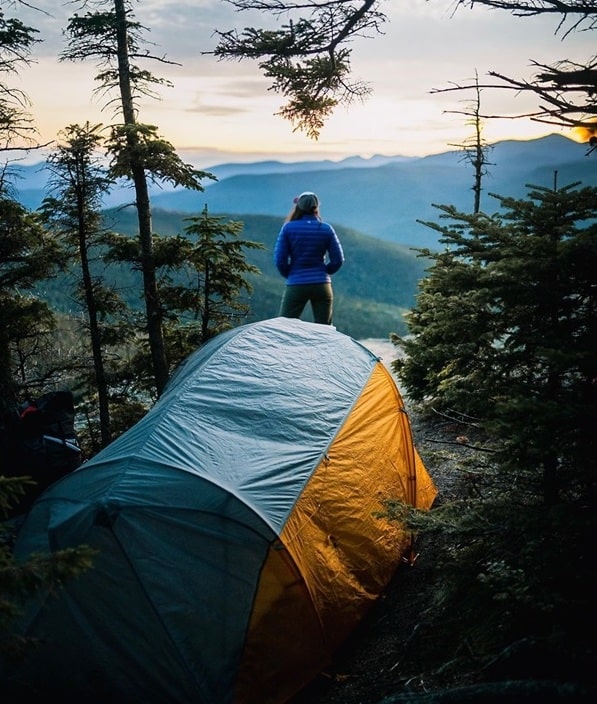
(40, 442)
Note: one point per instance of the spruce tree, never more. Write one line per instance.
(219, 269)
(73, 213)
(202, 277)
(28, 254)
(504, 329)
(112, 37)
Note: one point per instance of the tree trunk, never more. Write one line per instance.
(150, 288)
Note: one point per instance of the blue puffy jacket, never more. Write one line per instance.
(308, 251)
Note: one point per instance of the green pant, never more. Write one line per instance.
(320, 296)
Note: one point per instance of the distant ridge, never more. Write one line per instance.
(383, 197)
(276, 167)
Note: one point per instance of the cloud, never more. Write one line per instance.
(425, 46)
(215, 110)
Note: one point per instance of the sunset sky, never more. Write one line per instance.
(222, 111)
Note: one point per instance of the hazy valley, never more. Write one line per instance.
(375, 204)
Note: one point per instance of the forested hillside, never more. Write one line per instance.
(373, 290)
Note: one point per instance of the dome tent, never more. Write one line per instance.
(236, 526)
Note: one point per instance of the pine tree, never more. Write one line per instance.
(504, 330)
(113, 38)
(219, 270)
(27, 256)
(202, 276)
(73, 213)
(16, 43)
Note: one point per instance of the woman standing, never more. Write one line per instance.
(307, 253)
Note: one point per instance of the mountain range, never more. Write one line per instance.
(383, 197)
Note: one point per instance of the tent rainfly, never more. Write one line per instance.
(237, 526)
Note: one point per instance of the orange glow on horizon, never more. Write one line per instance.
(586, 133)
